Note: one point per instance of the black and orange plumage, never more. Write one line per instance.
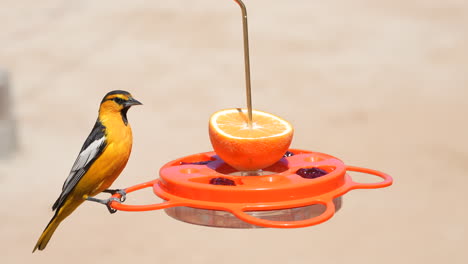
(101, 160)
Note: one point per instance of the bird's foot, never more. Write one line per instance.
(106, 202)
(109, 201)
(122, 192)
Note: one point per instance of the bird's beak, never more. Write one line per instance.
(131, 102)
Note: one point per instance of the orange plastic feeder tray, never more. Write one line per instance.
(282, 199)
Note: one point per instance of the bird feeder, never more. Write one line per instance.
(303, 188)
(282, 199)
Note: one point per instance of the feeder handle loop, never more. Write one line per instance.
(149, 207)
(387, 179)
(327, 214)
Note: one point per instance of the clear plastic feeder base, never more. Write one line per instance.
(214, 218)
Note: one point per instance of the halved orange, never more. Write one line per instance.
(249, 149)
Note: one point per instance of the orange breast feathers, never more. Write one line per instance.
(113, 159)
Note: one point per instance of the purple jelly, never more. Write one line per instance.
(195, 163)
(222, 181)
(311, 173)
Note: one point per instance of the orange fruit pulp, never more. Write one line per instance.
(245, 148)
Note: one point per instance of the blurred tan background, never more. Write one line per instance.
(379, 84)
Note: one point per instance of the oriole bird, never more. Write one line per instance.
(102, 158)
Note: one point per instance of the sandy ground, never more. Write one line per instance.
(380, 84)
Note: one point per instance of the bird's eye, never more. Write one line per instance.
(119, 100)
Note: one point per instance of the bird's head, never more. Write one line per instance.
(118, 102)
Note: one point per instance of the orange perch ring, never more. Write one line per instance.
(183, 184)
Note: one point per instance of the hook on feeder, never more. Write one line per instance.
(248, 86)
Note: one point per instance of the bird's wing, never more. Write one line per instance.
(91, 150)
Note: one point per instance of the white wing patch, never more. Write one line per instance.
(83, 160)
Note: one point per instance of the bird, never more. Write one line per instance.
(101, 160)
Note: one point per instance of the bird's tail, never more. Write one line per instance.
(59, 216)
(48, 232)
